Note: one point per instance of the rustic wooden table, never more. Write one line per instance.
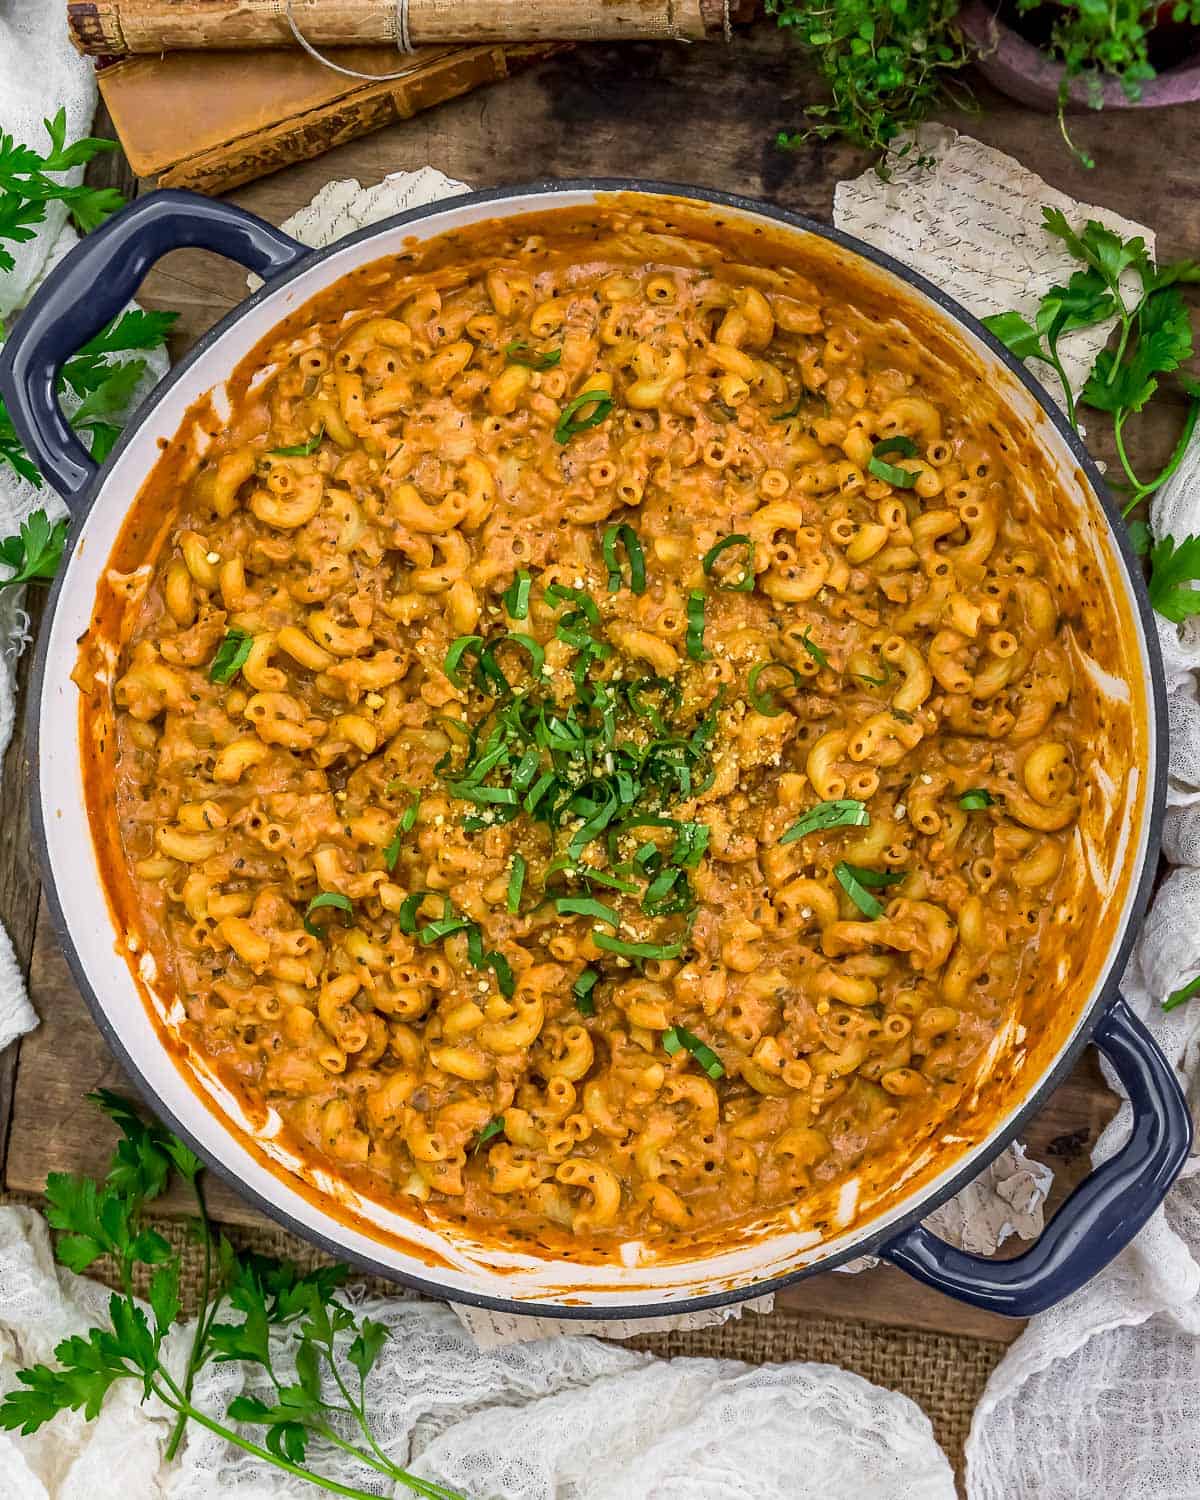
(704, 114)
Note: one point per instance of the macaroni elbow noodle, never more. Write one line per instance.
(556, 768)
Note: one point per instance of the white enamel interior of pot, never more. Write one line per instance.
(450, 1259)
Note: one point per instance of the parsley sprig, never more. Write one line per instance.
(27, 185)
(1153, 339)
(104, 388)
(35, 552)
(285, 1319)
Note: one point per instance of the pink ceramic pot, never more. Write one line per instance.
(1025, 73)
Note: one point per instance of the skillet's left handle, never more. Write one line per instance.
(1100, 1217)
(91, 286)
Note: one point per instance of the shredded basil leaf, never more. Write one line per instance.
(582, 989)
(975, 799)
(516, 596)
(623, 535)
(846, 812)
(569, 424)
(902, 479)
(516, 881)
(695, 629)
(231, 655)
(745, 582)
(813, 649)
(521, 353)
(326, 898)
(301, 450)
(636, 950)
(765, 701)
(854, 880)
(792, 411)
(677, 1039)
(492, 1129)
(587, 906)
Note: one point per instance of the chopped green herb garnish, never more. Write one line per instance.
(876, 681)
(763, 700)
(36, 550)
(408, 819)
(636, 950)
(854, 880)
(569, 424)
(846, 812)
(521, 353)
(516, 596)
(587, 906)
(902, 479)
(490, 1131)
(695, 628)
(333, 899)
(516, 882)
(232, 655)
(301, 450)
(975, 799)
(623, 535)
(582, 989)
(792, 411)
(813, 649)
(745, 581)
(677, 1039)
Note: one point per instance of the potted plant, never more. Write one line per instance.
(889, 63)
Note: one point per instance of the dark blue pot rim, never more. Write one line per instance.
(1137, 904)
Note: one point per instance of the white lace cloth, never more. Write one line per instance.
(559, 1419)
(1082, 1405)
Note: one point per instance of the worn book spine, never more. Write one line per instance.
(118, 27)
(150, 101)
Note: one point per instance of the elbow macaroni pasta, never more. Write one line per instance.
(374, 494)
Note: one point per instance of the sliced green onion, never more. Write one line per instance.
(569, 424)
(582, 989)
(846, 812)
(521, 353)
(677, 1039)
(516, 882)
(516, 596)
(231, 656)
(854, 881)
(903, 479)
(1180, 996)
(624, 536)
(695, 628)
(636, 950)
(334, 899)
(745, 583)
(587, 906)
(492, 1129)
(976, 799)
(813, 649)
(301, 450)
(765, 701)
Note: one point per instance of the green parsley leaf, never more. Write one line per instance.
(1016, 333)
(490, 1131)
(1172, 569)
(35, 552)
